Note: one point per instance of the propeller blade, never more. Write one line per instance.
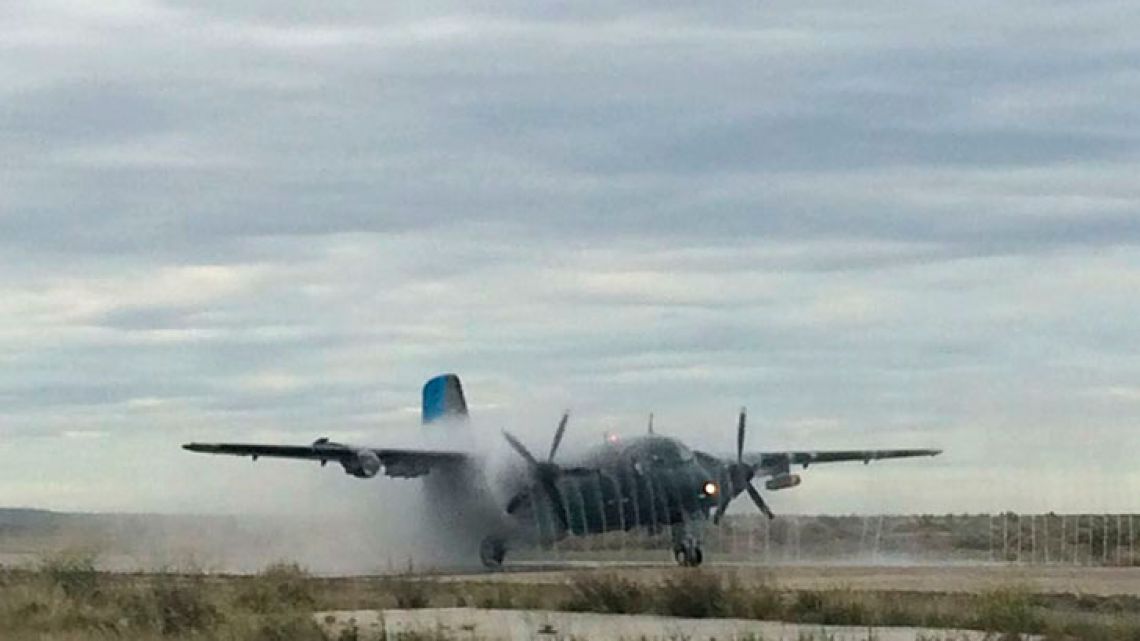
(726, 494)
(558, 436)
(561, 512)
(546, 474)
(759, 501)
(520, 448)
(740, 436)
(719, 512)
(550, 487)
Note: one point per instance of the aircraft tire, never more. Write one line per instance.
(492, 551)
(688, 556)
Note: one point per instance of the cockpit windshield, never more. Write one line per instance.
(668, 452)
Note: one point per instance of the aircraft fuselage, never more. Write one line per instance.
(647, 482)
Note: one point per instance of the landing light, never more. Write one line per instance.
(613, 439)
(710, 489)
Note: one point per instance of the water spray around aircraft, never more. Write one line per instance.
(651, 482)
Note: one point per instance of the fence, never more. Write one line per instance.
(1056, 539)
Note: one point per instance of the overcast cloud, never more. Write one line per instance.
(875, 225)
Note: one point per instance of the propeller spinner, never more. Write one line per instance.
(740, 476)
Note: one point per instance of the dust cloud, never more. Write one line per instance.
(234, 516)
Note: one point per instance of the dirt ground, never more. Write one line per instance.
(978, 578)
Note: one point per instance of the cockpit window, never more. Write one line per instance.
(668, 452)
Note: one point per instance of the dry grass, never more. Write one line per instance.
(608, 593)
(1007, 612)
(66, 599)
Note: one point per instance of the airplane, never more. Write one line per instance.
(651, 482)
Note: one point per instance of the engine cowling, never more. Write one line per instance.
(782, 482)
(363, 464)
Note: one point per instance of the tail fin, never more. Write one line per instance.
(443, 398)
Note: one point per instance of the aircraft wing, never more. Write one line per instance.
(359, 461)
(767, 463)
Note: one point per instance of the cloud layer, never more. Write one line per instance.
(879, 226)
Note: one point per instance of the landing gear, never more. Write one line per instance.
(688, 555)
(687, 544)
(492, 551)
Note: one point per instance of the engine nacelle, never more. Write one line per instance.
(782, 482)
(363, 464)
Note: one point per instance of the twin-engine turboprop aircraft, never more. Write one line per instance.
(650, 482)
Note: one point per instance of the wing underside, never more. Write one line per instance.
(777, 462)
(402, 463)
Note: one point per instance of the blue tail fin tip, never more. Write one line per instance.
(443, 398)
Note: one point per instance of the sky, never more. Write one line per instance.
(874, 225)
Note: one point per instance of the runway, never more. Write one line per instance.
(917, 578)
(526, 625)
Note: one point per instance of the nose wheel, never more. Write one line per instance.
(492, 551)
(688, 554)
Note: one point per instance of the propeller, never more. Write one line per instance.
(740, 475)
(545, 473)
(558, 434)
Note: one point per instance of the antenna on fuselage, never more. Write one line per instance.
(651, 422)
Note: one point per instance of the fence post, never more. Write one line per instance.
(797, 539)
(1077, 541)
(1104, 537)
(752, 539)
(1004, 537)
(878, 537)
(1032, 539)
(1062, 549)
(1020, 538)
(1119, 540)
(990, 537)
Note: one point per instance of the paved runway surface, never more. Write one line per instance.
(465, 624)
(925, 578)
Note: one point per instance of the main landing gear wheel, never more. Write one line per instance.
(688, 555)
(491, 552)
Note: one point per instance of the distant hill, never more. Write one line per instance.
(22, 521)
